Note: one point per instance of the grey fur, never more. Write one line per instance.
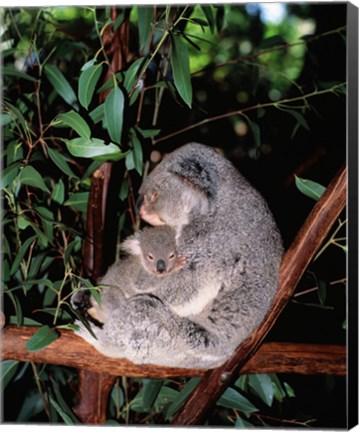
(198, 315)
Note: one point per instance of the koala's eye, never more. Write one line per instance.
(150, 257)
(171, 257)
(154, 196)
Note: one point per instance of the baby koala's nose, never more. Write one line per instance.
(161, 266)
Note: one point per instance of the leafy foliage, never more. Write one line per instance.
(66, 110)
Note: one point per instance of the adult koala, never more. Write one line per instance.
(197, 316)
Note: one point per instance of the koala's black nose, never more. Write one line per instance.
(161, 266)
(139, 202)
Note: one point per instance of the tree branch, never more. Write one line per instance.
(307, 242)
(72, 351)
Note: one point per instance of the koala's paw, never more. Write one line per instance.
(180, 262)
(81, 301)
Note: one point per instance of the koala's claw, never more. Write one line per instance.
(181, 262)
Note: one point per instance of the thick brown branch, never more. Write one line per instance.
(70, 350)
(295, 261)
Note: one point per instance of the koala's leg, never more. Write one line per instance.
(144, 330)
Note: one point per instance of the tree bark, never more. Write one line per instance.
(93, 387)
(307, 242)
(72, 351)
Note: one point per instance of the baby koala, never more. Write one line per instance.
(156, 247)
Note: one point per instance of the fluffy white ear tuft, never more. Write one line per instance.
(132, 246)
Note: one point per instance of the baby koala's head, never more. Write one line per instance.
(156, 248)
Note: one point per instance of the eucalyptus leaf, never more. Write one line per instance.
(60, 161)
(42, 338)
(76, 122)
(148, 133)
(150, 393)
(58, 192)
(182, 397)
(30, 176)
(309, 188)
(137, 154)
(94, 148)
(256, 132)
(65, 417)
(181, 69)
(8, 370)
(98, 113)
(87, 84)
(233, 399)
(114, 106)
(21, 253)
(299, 117)
(272, 42)
(131, 74)
(208, 13)
(8, 175)
(145, 19)
(10, 71)
(78, 200)
(263, 387)
(61, 85)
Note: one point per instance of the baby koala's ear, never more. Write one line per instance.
(132, 245)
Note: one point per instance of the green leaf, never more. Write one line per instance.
(30, 176)
(8, 370)
(74, 245)
(17, 116)
(98, 113)
(42, 338)
(272, 42)
(76, 122)
(309, 188)
(78, 200)
(232, 399)
(148, 133)
(58, 192)
(131, 74)
(182, 397)
(208, 12)
(150, 393)
(243, 424)
(181, 70)
(290, 392)
(17, 307)
(65, 417)
(262, 386)
(8, 70)
(94, 148)
(14, 152)
(137, 154)
(130, 161)
(88, 64)
(299, 117)
(21, 253)
(9, 174)
(145, 19)
(87, 83)
(60, 161)
(256, 133)
(124, 189)
(114, 105)
(61, 85)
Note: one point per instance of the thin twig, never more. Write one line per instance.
(276, 104)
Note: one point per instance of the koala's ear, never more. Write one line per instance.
(197, 170)
(132, 245)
